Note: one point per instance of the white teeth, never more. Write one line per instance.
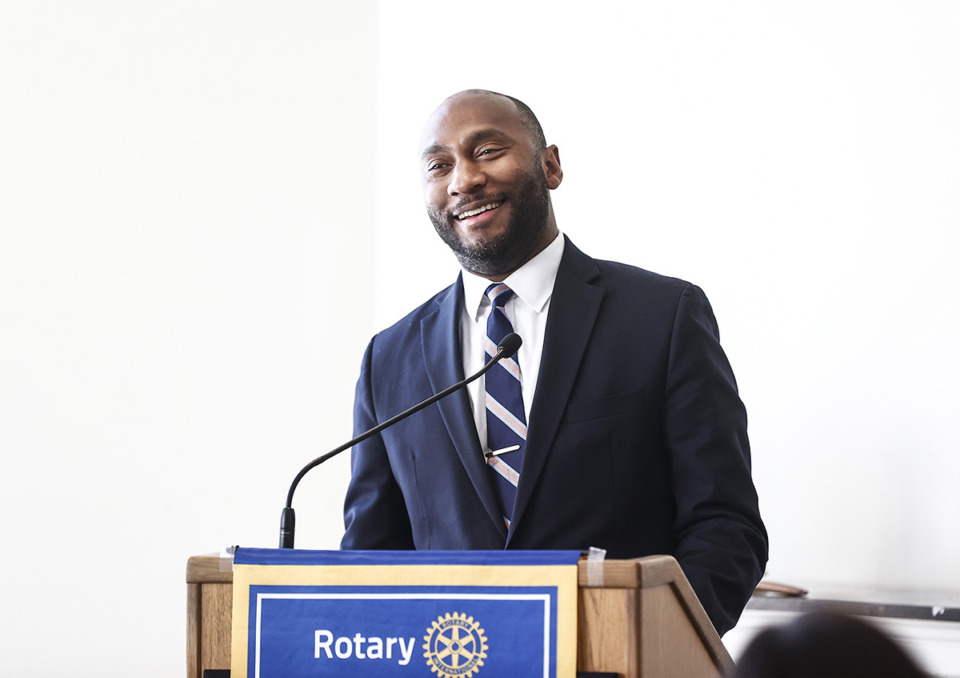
(479, 210)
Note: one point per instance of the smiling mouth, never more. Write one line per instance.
(478, 210)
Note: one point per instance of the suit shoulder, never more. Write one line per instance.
(633, 278)
(614, 274)
(410, 323)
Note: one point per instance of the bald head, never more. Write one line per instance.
(523, 112)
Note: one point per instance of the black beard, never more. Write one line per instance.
(530, 208)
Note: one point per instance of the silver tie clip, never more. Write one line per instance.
(494, 453)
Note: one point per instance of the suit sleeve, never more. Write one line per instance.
(721, 539)
(375, 516)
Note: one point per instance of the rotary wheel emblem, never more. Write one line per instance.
(455, 646)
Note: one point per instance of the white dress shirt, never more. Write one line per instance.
(527, 309)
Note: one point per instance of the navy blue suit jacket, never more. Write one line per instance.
(637, 439)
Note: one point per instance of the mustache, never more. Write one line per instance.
(473, 199)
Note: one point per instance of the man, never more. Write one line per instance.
(619, 424)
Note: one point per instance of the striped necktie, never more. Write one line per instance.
(506, 421)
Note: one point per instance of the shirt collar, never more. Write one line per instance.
(532, 283)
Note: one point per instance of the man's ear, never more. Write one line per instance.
(551, 166)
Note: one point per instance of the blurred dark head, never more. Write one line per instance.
(821, 645)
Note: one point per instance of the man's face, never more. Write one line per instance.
(486, 184)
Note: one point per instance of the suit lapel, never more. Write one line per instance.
(574, 306)
(440, 336)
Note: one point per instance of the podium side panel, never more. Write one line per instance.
(193, 630)
(669, 643)
(209, 610)
(608, 618)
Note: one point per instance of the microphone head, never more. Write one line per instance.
(510, 345)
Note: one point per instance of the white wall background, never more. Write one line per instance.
(184, 277)
(200, 203)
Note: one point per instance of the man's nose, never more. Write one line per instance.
(466, 178)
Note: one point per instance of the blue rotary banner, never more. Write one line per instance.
(404, 613)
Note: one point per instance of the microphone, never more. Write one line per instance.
(507, 348)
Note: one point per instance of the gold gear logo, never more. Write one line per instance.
(455, 646)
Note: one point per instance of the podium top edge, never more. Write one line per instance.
(205, 569)
(634, 573)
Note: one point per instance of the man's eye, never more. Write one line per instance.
(435, 166)
(487, 151)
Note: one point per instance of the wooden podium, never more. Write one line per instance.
(636, 618)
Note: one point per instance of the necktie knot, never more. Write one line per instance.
(499, 294)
